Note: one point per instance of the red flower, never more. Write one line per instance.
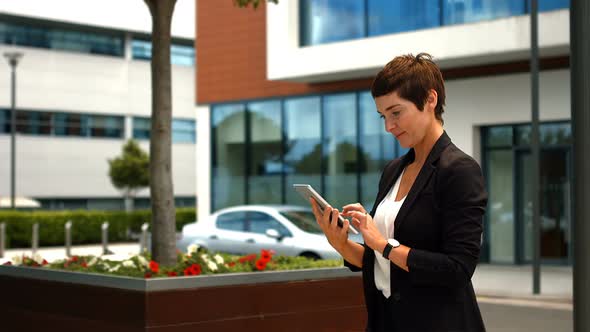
(155, 267)
(265, 255)
(260, 265)
(195, 269)
(188, 271)
(172, 274)
(74, 259)
(147, 275)
(248, 258)
(44, 262)
(8, 263)
(231, 264)
(84, 265)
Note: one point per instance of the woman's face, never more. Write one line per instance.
(404, 120)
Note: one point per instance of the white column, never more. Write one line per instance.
(203, 167)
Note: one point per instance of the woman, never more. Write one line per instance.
(423, 234)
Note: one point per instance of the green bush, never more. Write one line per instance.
(86, 225)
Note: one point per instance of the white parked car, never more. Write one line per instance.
(288, 230)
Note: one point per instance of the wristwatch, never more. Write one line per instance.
(391, 243)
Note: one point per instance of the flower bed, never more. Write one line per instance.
(41, 298)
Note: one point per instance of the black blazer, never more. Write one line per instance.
(441, 221)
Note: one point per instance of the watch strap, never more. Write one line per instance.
(387, 250)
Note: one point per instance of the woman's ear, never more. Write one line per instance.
(432, 99)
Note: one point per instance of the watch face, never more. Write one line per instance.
(395, 243)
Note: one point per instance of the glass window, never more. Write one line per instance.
(68, 124)
(183, 131)
(4, 121)
(232, 221)
(229, 155)
(261, 222)
(465, 11)
(340, 149)
(180, 54)
(68, 39)
(304, 220)
(500, 208)
(141, 128)
(32, 123)
(392, 16)
(265, 151)
(303, 146)
(377, 148)
(546, 5)
(549, 134)
(325, 21)
(106, 126)
(498, 136)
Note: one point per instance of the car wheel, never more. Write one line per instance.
(310, 255)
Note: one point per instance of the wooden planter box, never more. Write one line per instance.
(34, 299)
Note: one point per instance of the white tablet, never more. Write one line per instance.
(307, 192)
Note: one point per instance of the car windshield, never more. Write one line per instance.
(304, 220)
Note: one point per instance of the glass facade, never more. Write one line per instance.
(335, 142)
(183, 130)
(63, 124)
(180, 54)
(36, 34)
(326, 21)
(228, 131)
(507, 164)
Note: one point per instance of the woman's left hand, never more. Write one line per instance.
(363, 221)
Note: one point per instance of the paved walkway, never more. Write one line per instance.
(490, 281)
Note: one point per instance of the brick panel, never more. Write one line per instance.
(231, 57)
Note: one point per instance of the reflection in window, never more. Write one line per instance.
(499, 136)
(549, 134)
(183, 131)
(259, 223)
(229, 153)
(141, 128)
(392, 16)
(546, 5)
(304, 220)
(266, 168)
(325, 21)
(106, 126)
(183, 55)
(232, 221)
(69, 124)
(377, 148)
(340, 149)
(465, 11)
(303, 148)
(68, 39)
(500, 208)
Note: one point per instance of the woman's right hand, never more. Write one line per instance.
(337, 236)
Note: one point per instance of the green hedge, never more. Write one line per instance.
(86, 225)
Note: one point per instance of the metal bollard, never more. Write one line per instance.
(35, 241)
(143, 238)
(105, 238)
(2, 239)
(68, 227)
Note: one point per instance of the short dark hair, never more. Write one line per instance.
(412, 77)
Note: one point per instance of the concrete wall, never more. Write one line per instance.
(49, 166)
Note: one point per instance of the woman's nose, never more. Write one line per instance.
(390, 126)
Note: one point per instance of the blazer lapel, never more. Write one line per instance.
(422, 179)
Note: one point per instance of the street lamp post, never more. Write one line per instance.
(13, 58)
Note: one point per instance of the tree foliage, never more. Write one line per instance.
(130, 171)
(254, 3)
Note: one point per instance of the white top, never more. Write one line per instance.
(384, 220)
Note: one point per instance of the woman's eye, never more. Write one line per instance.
(381, 116)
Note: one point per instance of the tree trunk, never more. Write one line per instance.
(162, 193)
